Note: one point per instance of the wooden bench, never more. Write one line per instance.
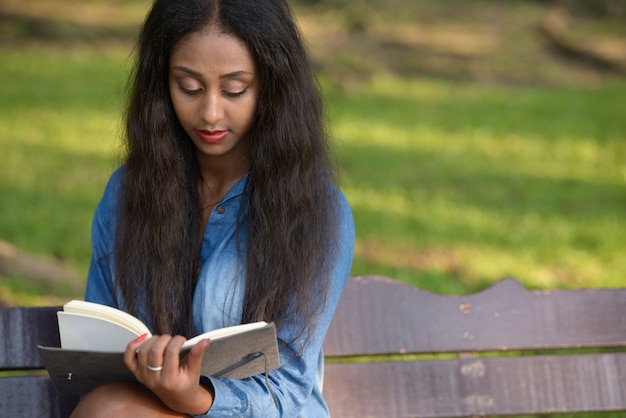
(485, 368)
(509, 351)
(28, 391)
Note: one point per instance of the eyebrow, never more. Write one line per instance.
(222, 77)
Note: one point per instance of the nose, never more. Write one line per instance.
(212, 109)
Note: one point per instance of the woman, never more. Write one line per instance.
(224, 212)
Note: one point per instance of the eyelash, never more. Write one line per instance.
(189, 92)
(226, 93)
(235, 94)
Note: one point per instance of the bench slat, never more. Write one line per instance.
(466, 387)
(33, 396)
(22, 329)
(382, 316)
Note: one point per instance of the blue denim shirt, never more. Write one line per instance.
(217, 303)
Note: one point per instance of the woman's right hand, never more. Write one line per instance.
(155, 362)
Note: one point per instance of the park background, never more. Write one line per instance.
(476, 139)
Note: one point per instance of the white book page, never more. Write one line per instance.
(223, 332)
(102, 311)
(79, 332)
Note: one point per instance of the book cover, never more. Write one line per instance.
(81, 364)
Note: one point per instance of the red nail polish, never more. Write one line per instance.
(141, 338)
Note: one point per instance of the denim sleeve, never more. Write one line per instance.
(295, 382)
(100, 278)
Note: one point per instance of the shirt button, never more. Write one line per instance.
(221, 210)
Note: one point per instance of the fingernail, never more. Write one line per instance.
(141, 338)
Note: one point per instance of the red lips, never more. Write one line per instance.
(212, 137)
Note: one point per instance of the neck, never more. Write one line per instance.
(218, 175)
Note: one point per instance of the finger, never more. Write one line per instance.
(194, 359)
(154, 353)
(171, 357)
(130, 355)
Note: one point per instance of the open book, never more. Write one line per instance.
(94, 337)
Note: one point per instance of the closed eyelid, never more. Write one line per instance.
(227, 93)
(189, 83)
(234, 85)
(234, 94)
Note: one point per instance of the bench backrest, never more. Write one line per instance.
(25, 389)
(380, 316)
(517, 351)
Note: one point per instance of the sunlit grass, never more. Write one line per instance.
(496, 181)
(452, 185)
(59, 131)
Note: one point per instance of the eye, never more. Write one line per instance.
(189, 92)
(234, 94)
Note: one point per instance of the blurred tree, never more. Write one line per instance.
(589, 8)
(597, 8)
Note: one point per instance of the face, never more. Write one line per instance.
(214, 89)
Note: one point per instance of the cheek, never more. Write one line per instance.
(182, 111)
(250, 113)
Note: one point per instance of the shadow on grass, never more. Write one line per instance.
(17, 28)
(452, 203)
(551, 115)
(410, 198)
(474, 183)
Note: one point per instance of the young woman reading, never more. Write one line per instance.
(223, 212)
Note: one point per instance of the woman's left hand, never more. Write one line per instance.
(156, 363)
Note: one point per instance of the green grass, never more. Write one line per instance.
(457, 185)
(453, 185)
(59, 130)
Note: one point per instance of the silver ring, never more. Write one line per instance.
(154, 369)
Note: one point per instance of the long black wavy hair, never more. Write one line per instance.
(291, 217)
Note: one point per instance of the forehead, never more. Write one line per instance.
(212, 50)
